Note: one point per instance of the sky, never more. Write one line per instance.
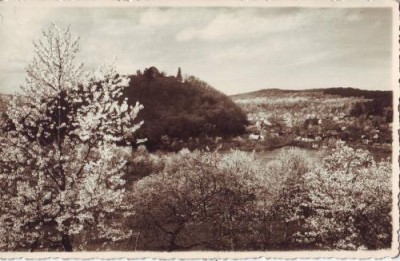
(236, 50)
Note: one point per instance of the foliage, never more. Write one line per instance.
(235, 200)
(60, 170)
(203, 201)
(292, 167)
(181, 110)
(350, 196)
(142, 164)
(380, 102)
(216, 201)
(374, 107)
(385, 98)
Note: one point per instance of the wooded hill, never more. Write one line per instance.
(177, 109)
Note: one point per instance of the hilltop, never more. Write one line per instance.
(177, 110)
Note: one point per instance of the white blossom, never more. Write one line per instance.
(60, 168)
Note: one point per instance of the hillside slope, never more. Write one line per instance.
(176, 110)
(321, 103)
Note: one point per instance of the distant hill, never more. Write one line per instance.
(176, 109)
(321, 103)
(262, 93)
(354, 92)
(339, 91)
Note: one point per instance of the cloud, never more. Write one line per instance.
(233, 25)
(155, 18)
(317, 57)
(232, 48)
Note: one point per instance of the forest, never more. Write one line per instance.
(96, 160)
(176, 110)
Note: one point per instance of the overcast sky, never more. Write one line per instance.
(234, 49)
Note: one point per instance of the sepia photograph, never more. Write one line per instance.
(199, 128)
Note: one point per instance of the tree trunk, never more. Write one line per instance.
(66, 242)
(172, 245)
(33, 246)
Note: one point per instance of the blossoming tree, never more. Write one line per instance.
(60, 168)
(350, 195)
